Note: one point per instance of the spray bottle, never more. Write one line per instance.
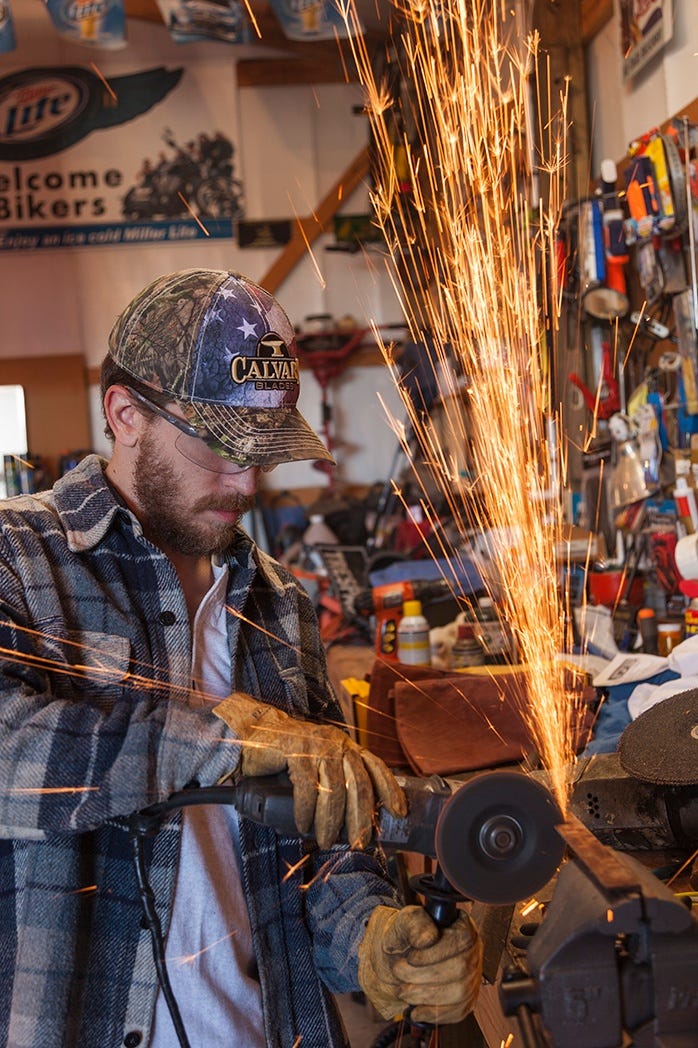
(413, 635)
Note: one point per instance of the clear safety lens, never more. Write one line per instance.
(196, 450)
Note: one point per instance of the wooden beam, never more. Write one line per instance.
(325, 66)
(302, 61)
(559, 25)
(307, 230)
(147, 10)
(595, 15)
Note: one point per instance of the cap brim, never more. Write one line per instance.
(260, 436)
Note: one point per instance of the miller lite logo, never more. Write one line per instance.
(36, 106)
(78, 10)
(46, 109)
(272, 367)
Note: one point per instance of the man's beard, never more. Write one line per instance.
(157, 488)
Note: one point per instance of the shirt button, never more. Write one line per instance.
(168, 618)
(133, 1038)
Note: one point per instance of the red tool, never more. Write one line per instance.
(606, 400)
(326, 353)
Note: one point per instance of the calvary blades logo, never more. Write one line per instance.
(271, 368)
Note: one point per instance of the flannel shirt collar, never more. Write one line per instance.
(86, 504)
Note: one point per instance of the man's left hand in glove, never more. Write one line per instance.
(406, 960)
(335, 782)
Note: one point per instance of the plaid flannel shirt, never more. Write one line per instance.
(95, 652)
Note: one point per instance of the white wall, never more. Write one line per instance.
(620, 112)
(292, 144)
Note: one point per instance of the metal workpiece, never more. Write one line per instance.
(629, 814)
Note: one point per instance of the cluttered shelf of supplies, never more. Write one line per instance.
(426, 667)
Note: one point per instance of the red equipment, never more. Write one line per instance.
(606, 401)
(326, 353)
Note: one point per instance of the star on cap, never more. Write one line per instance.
(248, 330)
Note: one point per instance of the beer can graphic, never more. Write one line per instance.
(7, 28)
(94, 23)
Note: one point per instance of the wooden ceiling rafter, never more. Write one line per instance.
(280, 61)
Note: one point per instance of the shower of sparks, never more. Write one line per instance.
(471, 253)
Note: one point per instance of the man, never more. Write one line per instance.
(148, 646)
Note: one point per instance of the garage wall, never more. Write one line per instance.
(620, 112)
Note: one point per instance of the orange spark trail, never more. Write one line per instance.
(81, 891)
(295, 867)
(107, 85)
(191, 957)
(471, 249)
(193, 213)
(51, 789)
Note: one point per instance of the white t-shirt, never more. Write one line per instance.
(210, 960)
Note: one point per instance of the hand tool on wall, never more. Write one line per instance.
(605, 401)
(606, 295)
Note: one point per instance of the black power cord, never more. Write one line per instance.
(141, 825)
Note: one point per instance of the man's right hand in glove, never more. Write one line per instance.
(406, 960)
(335, 782)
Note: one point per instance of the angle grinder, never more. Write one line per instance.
(493, 835)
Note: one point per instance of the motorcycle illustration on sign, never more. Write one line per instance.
(197, 177)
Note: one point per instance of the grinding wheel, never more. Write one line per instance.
(496, 840)
(661, 746)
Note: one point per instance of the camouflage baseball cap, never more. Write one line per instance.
(224, 349)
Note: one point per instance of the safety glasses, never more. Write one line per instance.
(195, 445)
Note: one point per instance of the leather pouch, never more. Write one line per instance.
(439, 723)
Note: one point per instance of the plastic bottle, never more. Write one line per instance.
(685, 499)
(647, 625)
(316, 534)
(491, 633)
(413, 635)
(466, 651)
(691, 618)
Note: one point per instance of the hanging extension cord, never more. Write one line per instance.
(146, 823)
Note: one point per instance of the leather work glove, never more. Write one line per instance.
(335, 782)
(405, 959)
